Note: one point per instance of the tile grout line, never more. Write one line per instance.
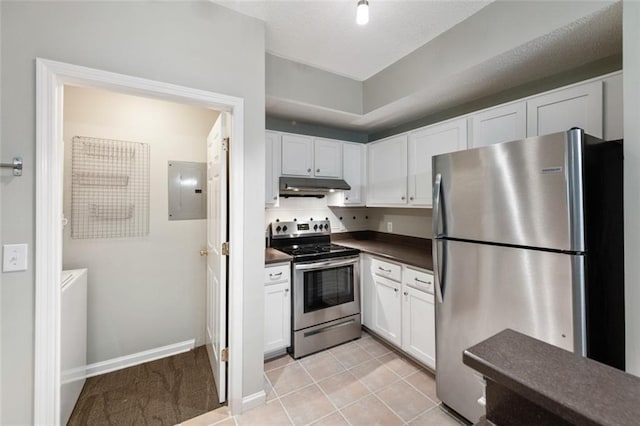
(367, 387)
(423, 413)
(277, 398)
(420, 392)
(324, 393)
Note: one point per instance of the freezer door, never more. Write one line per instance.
(527, 193)
(483, 289)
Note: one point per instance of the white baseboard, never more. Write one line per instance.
(253, 401)
(121, 362)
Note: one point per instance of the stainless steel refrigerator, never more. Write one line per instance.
(527, 235)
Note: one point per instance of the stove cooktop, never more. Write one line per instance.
(309, 252)
(306, 249)
(307, 241)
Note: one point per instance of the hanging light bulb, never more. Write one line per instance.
(362, 12)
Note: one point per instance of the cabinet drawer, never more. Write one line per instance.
(419, 280)
(276, 274)
(386, 269)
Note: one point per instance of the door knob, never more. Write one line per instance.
(204, 252)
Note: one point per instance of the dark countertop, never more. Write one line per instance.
(275, 256)
(576, 389)
(410, 250)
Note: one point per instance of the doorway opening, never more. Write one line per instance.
(135, 206)
(52, 78)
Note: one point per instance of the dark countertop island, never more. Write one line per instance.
(531, 382)
(275, 256)
(410, 250)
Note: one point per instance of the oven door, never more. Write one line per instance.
(325, 290)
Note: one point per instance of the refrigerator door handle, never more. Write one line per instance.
(437, 186)
(436, 204)
(436, 270)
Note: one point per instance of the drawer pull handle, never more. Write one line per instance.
(275, 276)
(423, 282)
(388, 271)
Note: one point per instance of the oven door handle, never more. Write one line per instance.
(331, 264)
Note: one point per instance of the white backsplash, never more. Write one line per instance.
(343, 219)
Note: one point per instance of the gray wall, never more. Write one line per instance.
(291, 126)
(631, 48)
(180, 42)
(309, 85)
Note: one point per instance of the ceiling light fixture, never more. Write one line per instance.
(362, 12)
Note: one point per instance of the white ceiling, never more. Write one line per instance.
(324, 34)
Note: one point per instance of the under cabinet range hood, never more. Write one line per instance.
(310, 187)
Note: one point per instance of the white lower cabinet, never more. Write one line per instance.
(387, 310)
(277, 308)
(399, 307)
(418, 325)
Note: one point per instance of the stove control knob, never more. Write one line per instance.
(284, 229)
(315, 227)
(326, 226)
(278, 228)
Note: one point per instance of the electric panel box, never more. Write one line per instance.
(187, 190)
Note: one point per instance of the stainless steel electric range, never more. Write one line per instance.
(326, 285)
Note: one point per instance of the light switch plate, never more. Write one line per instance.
(14, 257)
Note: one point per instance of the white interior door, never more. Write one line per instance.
(216, 333)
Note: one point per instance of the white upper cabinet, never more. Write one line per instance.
(496, 125)
(425, 143)
(272, 167)
(578, 106)
(327, 158)
(311, 157)
(353, 160)
(387, 176)
(297, 155)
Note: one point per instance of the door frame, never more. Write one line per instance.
(51, 77)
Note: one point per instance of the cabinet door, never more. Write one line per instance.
(277, 317)
(497, 125)
(327, 158)
(353, 172)
(387, 311)
(368, 291)
(297, 155)
(387, 177)
(418, 325)
(272, 168)
(424, 144)
(579, 106)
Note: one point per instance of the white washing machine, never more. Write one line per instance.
(73, 339)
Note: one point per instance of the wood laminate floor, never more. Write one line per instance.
(162, 392)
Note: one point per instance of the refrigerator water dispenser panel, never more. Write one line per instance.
(187, 190)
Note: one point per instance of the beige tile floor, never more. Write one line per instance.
(363, 382)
